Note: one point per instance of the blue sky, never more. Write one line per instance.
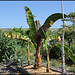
(12, 13)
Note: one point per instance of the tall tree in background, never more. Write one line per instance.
(71, 15)
(38, 32)
(69, 29)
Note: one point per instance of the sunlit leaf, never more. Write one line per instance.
(31, 23)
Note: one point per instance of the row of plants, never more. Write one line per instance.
(38, 36)
(13, 48)
(20, 50)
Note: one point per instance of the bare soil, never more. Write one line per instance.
(7, 70)
(42, 70)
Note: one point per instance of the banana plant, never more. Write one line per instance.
(37, 32)
(19, 36)
(50, 38)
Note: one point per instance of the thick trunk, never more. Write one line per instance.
(38, 57)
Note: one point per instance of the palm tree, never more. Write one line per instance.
(38, 32)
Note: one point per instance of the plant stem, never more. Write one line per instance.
(28, 54)
(48, 63)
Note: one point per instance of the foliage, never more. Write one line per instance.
(69, 37)
(38, 33)
(71, 15)
(8, 48)
(71, 69)
(73, 47)
(52, 39)
(31, 23)
(68, 51)
(13, 48)
(57, 63)
(34, 29)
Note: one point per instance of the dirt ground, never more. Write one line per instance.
(7, 70)
(42, 70)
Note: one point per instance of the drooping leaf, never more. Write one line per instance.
(68, 52)
(51, 19)
(16, 35)
(31, 23)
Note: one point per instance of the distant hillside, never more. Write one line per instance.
(4, 29)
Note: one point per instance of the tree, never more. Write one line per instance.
(70, 30)
(50, 38)
(71, 15)
(20, 35)
(38, 32)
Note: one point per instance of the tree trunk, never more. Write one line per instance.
(38, 57)
(37, 64)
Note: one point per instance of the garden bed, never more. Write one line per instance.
(30, 70)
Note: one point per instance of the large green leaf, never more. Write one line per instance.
(68, 52)
(31, 23)
(49, 21)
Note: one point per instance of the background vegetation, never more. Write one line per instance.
(11, 49)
